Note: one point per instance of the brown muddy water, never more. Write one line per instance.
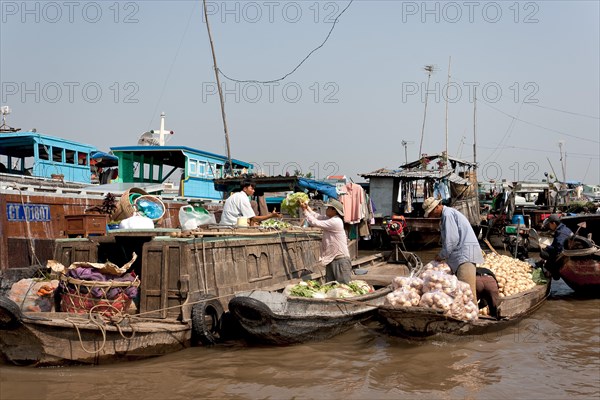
(553, 354)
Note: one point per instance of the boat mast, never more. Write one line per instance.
(447, 85)
(475, 127)
(212, 47)
(429, 70)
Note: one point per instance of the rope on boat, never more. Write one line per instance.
(96, 319)
(34, 257)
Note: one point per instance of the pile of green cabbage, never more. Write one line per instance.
(330, 290)
(291, 203)
(275, 224)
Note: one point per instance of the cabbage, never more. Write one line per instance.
(291, 203)
(334, 290)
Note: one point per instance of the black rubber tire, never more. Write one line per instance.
(206, 320)
(10, 313)
(249, 310)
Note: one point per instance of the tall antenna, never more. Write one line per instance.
(561, 143)
(447, 85)
(429, 69)
(212, 48)
(405, 143)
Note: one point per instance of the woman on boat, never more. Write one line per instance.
(460, 248)
(334, 247)
(238, 205)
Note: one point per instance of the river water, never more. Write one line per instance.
(553, 354)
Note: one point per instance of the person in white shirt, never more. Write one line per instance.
(238, 205)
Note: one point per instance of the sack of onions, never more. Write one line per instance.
(412, 282)
(436, 299)
(403, 297)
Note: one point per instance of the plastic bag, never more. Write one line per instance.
(150, 209)
(137, 222)
(32, 295)
(190, 218)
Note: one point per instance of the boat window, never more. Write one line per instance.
(202, 169)
(43, 152)
(82, 158)
(70, 156)
(192, 168)
(211, 170)
(57, 154)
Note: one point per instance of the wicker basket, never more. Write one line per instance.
(81, 297)
(152, 199)
(125, 207)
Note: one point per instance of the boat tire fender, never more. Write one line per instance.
(10, 313)
(206, 320)
(253, 312)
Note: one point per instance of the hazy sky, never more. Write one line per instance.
(102, 72)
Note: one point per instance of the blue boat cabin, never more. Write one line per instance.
(40, 155)
(193, 169)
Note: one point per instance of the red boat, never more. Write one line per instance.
(580, 266)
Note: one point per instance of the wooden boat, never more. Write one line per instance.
(423, 322)
(186, 284)
(579, 266)
(415, 181)
(274, 318)
(586, 225)
(45, 180)
(48, 339)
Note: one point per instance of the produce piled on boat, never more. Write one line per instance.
(275, 224)
(316, 290)
(435, 288)
(513, 275)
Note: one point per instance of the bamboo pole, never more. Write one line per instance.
(212, 47)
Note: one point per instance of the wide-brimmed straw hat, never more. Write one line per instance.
(339, 207)
(430, 204)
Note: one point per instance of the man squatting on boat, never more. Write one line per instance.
(334, 246)
(560, 233)
(460, 248)
(238, 205)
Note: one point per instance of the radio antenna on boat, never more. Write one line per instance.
(429, 69)
(405, 143)
(212, 48)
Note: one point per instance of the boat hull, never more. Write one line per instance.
(56, 339)
(582, 273)
(424, 322)
(273, 318)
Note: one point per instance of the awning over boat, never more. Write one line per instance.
(321, 187)
(277, 184)
(104, 160)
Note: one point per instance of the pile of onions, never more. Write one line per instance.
(513, 275)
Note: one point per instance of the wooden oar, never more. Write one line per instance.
(490, 246)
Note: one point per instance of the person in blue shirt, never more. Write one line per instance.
(561, 233)
(460, 247)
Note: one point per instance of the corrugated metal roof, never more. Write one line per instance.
(415, 174)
